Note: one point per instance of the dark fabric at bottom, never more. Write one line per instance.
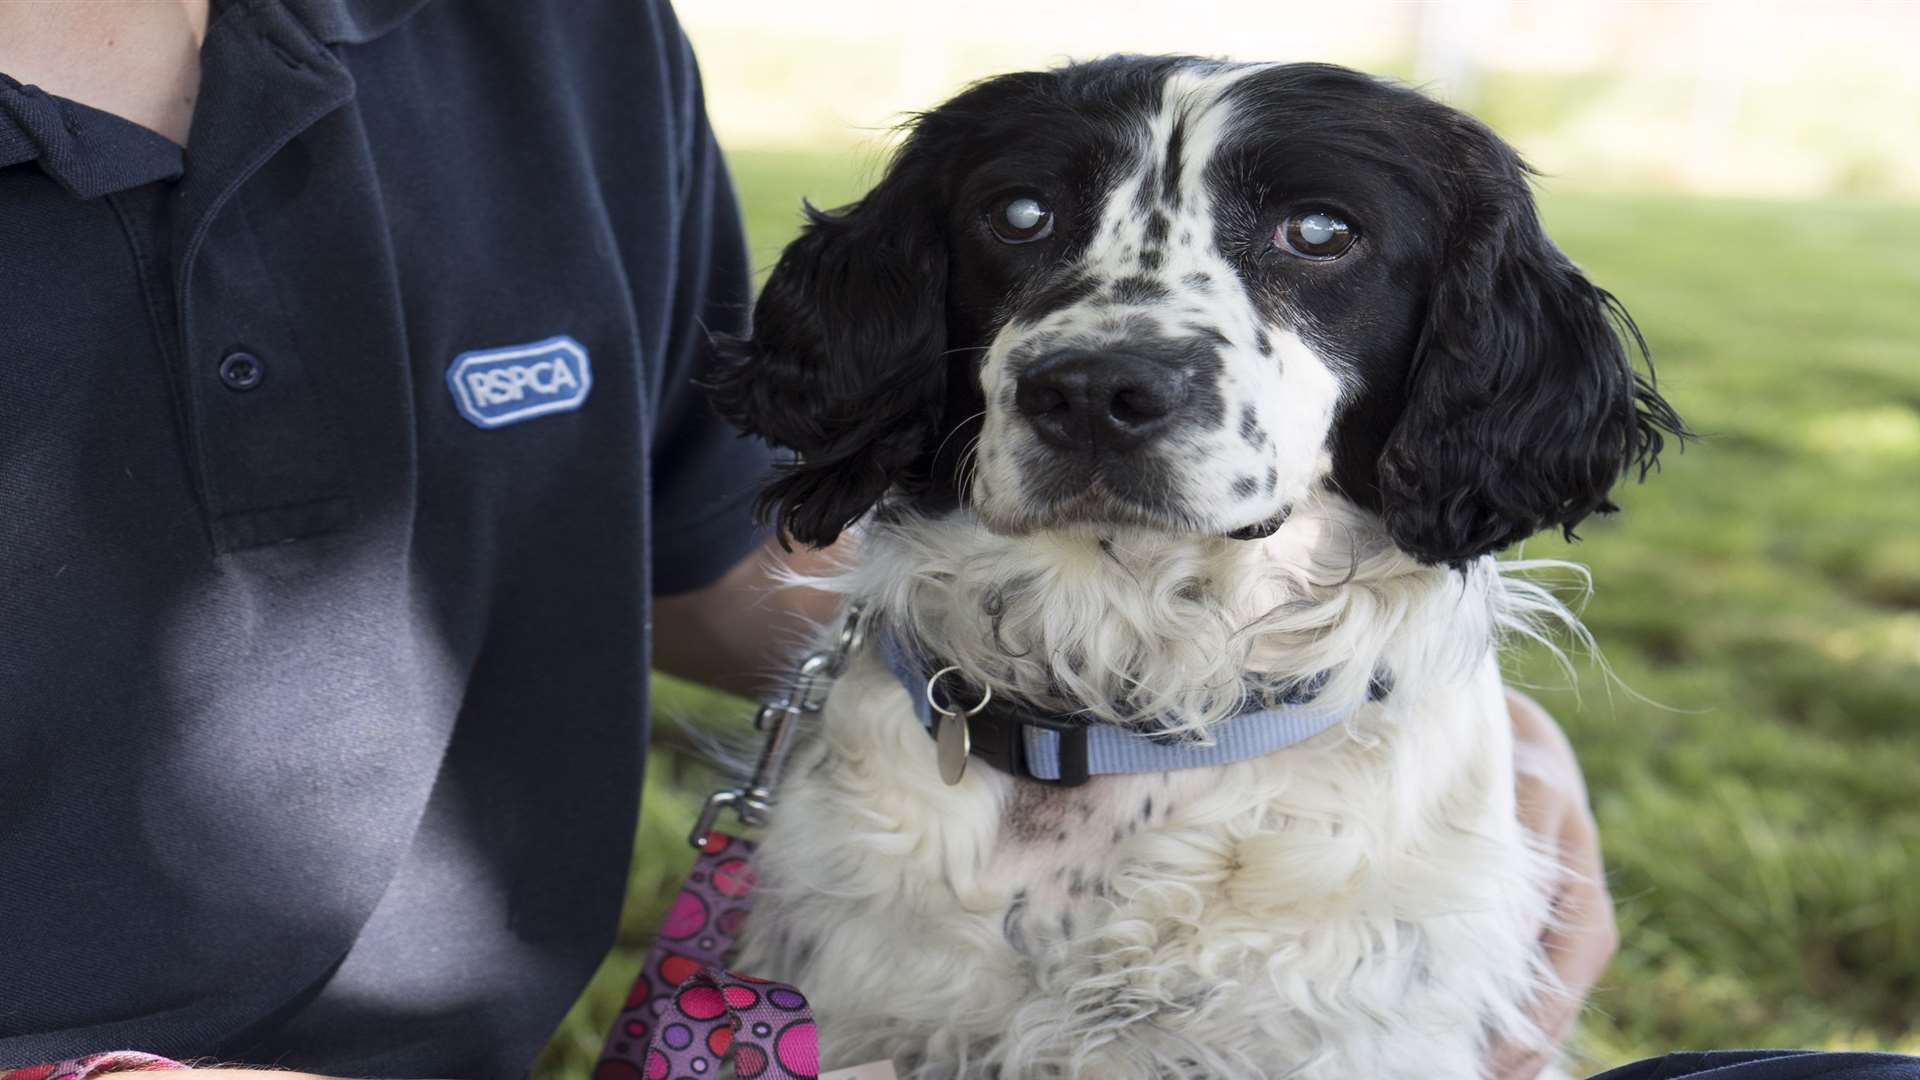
(1770, 1065)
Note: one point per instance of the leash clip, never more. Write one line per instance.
(752, 802)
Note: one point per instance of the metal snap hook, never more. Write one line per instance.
(804, 697)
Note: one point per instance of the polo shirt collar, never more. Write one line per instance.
(88, 152)
(93, 153)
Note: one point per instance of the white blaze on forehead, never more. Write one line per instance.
(1197, 101)
(1193, 101)
(1224, 479)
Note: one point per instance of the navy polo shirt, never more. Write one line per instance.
(339, 456)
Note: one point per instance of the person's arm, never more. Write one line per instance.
(1582, 938)
(740, 633)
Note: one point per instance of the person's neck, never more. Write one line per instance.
(137, 59)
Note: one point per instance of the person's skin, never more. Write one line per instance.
(140, 59)
(136, 59)
(1552, 800)
(740, 633)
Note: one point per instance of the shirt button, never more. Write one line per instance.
(241, 371)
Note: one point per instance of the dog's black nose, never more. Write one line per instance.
(1110, 400)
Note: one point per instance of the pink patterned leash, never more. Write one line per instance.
(92, 1065)
(686, 1011)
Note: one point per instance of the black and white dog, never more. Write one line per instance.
(1171, 395)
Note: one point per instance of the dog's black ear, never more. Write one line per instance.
(1524, 406)
(845, 360)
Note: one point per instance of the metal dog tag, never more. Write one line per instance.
(952, 743)
(952, 740)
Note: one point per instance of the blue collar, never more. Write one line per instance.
(1065, 750)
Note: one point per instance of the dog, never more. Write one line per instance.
(1167, 394)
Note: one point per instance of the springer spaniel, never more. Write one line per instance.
(1171, 394)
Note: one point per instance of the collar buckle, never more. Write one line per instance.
(1001, 741)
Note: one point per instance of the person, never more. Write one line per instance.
(323, 677)
(352, 474)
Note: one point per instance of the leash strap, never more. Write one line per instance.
(686, 1012)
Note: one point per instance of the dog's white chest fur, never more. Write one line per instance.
(1363, 904)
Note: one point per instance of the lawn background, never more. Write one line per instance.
(1762, 823)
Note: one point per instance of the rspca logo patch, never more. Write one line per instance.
(496, 387)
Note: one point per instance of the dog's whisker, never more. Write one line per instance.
(957, 428)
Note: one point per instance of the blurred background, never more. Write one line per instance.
(1746, 177)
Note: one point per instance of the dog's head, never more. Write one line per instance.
(1182, 294)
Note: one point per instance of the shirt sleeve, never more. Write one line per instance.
(705, 475)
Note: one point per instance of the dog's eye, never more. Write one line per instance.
(1021, 219)
(1314, 234)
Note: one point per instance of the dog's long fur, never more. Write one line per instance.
(1364, 904)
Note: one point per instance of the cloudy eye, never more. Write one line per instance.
(1021, 219)
(1314, 234)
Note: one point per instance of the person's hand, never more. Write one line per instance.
(1582, 938)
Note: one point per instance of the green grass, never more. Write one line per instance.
(1762, 823)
